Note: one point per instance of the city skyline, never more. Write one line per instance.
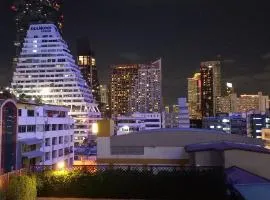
(183, 35)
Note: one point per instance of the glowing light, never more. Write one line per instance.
(229, 85)
(61, 165)
(95, 128)
(225, 120)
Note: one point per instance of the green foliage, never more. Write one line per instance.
(2, 195)
(132, 184)
(22, 188)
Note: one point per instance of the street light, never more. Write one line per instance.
(61, 165)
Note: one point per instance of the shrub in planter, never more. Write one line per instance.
(2, 195)
(22, 188)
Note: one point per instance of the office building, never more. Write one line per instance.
(136, 88)
(123, 78)
(183, 113)
(229, 89)
(87, 62)
(138, 122)
(171, 116)
(47, 70)
(226, 104)
(211, 86)
(194, 96)
(147, 91)
(257, 102)
(33, 11)
(45, 135)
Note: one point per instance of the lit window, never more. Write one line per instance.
(34, 51)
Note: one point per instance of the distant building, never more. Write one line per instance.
(226, 104)
(257, 102)
(148, 89)
(194, 96)
(229, 89)
(211, 86)
(233, 123)
(87, 62)
(138, 122)
(136, 88)
(256, 122)
(123, 79)
(171, 116)
(183, 113)
(104, 101)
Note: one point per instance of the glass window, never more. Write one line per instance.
(47, 156)
(47, 142)
(30, 113)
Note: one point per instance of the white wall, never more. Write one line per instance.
(257, 163)
(208, 158)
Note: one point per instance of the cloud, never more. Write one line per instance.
(229, 61)
(132, 56)
(265, 76)
(266, 56)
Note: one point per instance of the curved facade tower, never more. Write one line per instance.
(46, 70)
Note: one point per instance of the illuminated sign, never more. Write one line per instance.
(229, 85)
(41, 28)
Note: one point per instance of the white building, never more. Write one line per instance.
(45, 135)
(138, 122)
(46, 69)
(183, 113)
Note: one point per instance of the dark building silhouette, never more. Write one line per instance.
(87, 63)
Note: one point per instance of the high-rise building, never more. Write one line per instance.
(147, 94)
(229, 89)
(211, 86)
(123, 78)
(136, 88)
(226, 104)
(87, 63)
(194, 96)
(257, 102)
(47, 70)
(33, 11)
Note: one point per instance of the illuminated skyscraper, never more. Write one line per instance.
(136, 88)
(123, 79)
(47, 70)
(226, 104)
(211, 86)
(87, 63)
(194, 96)
(35, 11)
(147, 93)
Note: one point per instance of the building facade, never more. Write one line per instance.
(123, 78)
(256, 122)
(226, 104)
(45, 135)
(47, 70)
(211, 86)
(183, 113)
(194, 96)
(104, 101)
(8, 135)
(87, 62)
(257, 102)
(171, 116)
(136, 88)
(138, 122)
(147, 96)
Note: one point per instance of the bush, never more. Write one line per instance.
(132, 184)
(22, 188)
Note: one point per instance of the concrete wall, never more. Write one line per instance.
(257, 163)
(152, 155)
(209, 158)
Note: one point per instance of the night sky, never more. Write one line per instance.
(181, 32)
